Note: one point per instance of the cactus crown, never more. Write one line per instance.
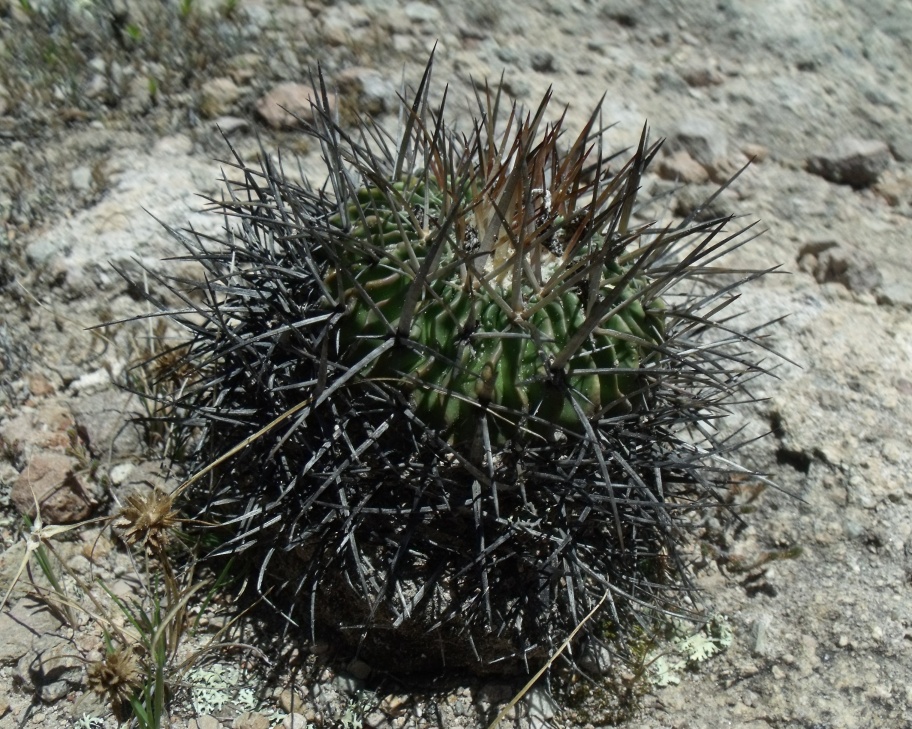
(476, 394)
(499, 270)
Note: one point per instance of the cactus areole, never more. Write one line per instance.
(474, 383)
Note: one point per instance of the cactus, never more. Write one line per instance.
(481, 328)
(477, 391)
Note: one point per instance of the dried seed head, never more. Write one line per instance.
(118, 675)
(148, 520)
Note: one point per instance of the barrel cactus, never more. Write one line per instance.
(475, 390)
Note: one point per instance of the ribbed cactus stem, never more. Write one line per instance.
(507, 325)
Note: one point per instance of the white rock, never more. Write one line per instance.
(422, 13)
(542, 707)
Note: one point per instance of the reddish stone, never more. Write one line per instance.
(681, 167)
(287, 104)
(53, 479)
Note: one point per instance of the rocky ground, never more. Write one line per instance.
(110, 126)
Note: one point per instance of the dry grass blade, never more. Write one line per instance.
(541, 671)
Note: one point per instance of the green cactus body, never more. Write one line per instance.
(465, 351)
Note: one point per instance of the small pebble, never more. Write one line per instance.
(852, 161)
(294, 721)
(543, 61)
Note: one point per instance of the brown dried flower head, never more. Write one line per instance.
(148, 519)
(118, 675)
